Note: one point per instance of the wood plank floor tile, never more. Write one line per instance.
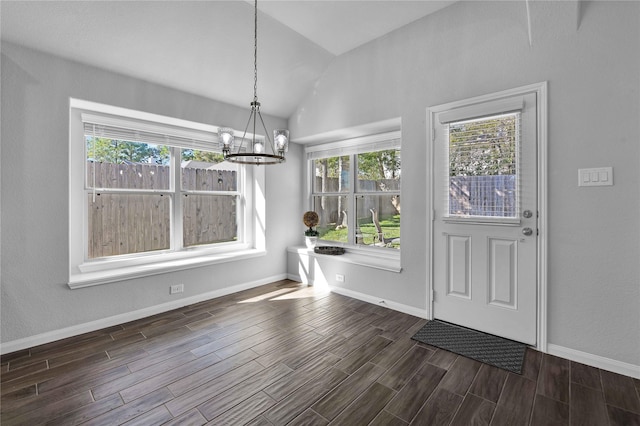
(489, 382)
(441, 358)
(309, 418)
(224, 400)
(384, 418)
(516, 402)
(286, 353)
(460, 375)
(585, 375)
(156, 416)
(192, 396)
(363, 354)
(619, 391)
(366, 407)
(309, 371)
(42, 414)
(338, 399)
(250, 408)
(554, 378)
(390, 354)
(439, 409)
(297, 402)
(87, 412)
(547, 411)
(413, 395)
(531, 364)
(587, 406)
(134, 409)
(190, 418)
(474, 411)
(398, 375)
(620, 417)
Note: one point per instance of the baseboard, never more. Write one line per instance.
(63, 333)
(420, 313)
(597, 361)
(416, 312)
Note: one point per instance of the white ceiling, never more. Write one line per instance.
(206, 47)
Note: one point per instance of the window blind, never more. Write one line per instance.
(483, 170)
(500, 106)
(371, 143)
(148, 132)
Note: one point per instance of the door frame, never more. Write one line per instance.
(540, 89)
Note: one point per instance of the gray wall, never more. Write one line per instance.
(35, 138)
(475, 48)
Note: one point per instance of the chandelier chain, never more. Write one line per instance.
(255, 52)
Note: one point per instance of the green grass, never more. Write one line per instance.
(390, 228)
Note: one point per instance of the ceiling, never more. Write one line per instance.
(206, 47)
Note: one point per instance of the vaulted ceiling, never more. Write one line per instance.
(206, 47)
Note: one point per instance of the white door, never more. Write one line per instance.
(485, 216)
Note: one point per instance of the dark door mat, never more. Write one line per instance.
(492, 350)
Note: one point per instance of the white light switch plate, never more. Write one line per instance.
(600, 176)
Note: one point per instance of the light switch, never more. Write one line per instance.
(601, 176)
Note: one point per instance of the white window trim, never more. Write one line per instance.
(83, 273)
(373, 257)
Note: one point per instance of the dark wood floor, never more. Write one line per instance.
(291, 354)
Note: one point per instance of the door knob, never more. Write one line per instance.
(527, 231)
(527, 214)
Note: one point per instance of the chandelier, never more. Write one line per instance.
(256, 149)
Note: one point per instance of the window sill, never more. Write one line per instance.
(168, 264)
(385, 261)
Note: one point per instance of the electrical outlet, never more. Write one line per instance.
(178, 288)
(340, 278)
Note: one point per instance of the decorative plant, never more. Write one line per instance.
(311, 219)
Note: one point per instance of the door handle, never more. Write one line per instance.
(527, 231)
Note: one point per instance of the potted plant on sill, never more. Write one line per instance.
(311, 220)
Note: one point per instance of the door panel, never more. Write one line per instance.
(459, 266)
(484, 267)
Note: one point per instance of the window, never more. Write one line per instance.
(355, 190)
(483, 166)
(152, 190)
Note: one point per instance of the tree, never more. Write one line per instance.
(105, 150)
(205, 156)
(485, 147)
(379, 166)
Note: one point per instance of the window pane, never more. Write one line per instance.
(333, 211)
(127, 223)
(207, 171)
(209, 219)
(379, 171)
(378, 220)
(331, 175)
(126, 165)
(483, 166)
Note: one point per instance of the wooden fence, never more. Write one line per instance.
(135, 223)
(483, 195)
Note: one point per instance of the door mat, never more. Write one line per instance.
(492, 350)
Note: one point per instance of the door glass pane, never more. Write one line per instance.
(127, 223)
(207, 171)
(120, 164)
(332, 211)
(483, 167)
(209, 219)
(378, 221)
(331, 175)
(379, 171)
